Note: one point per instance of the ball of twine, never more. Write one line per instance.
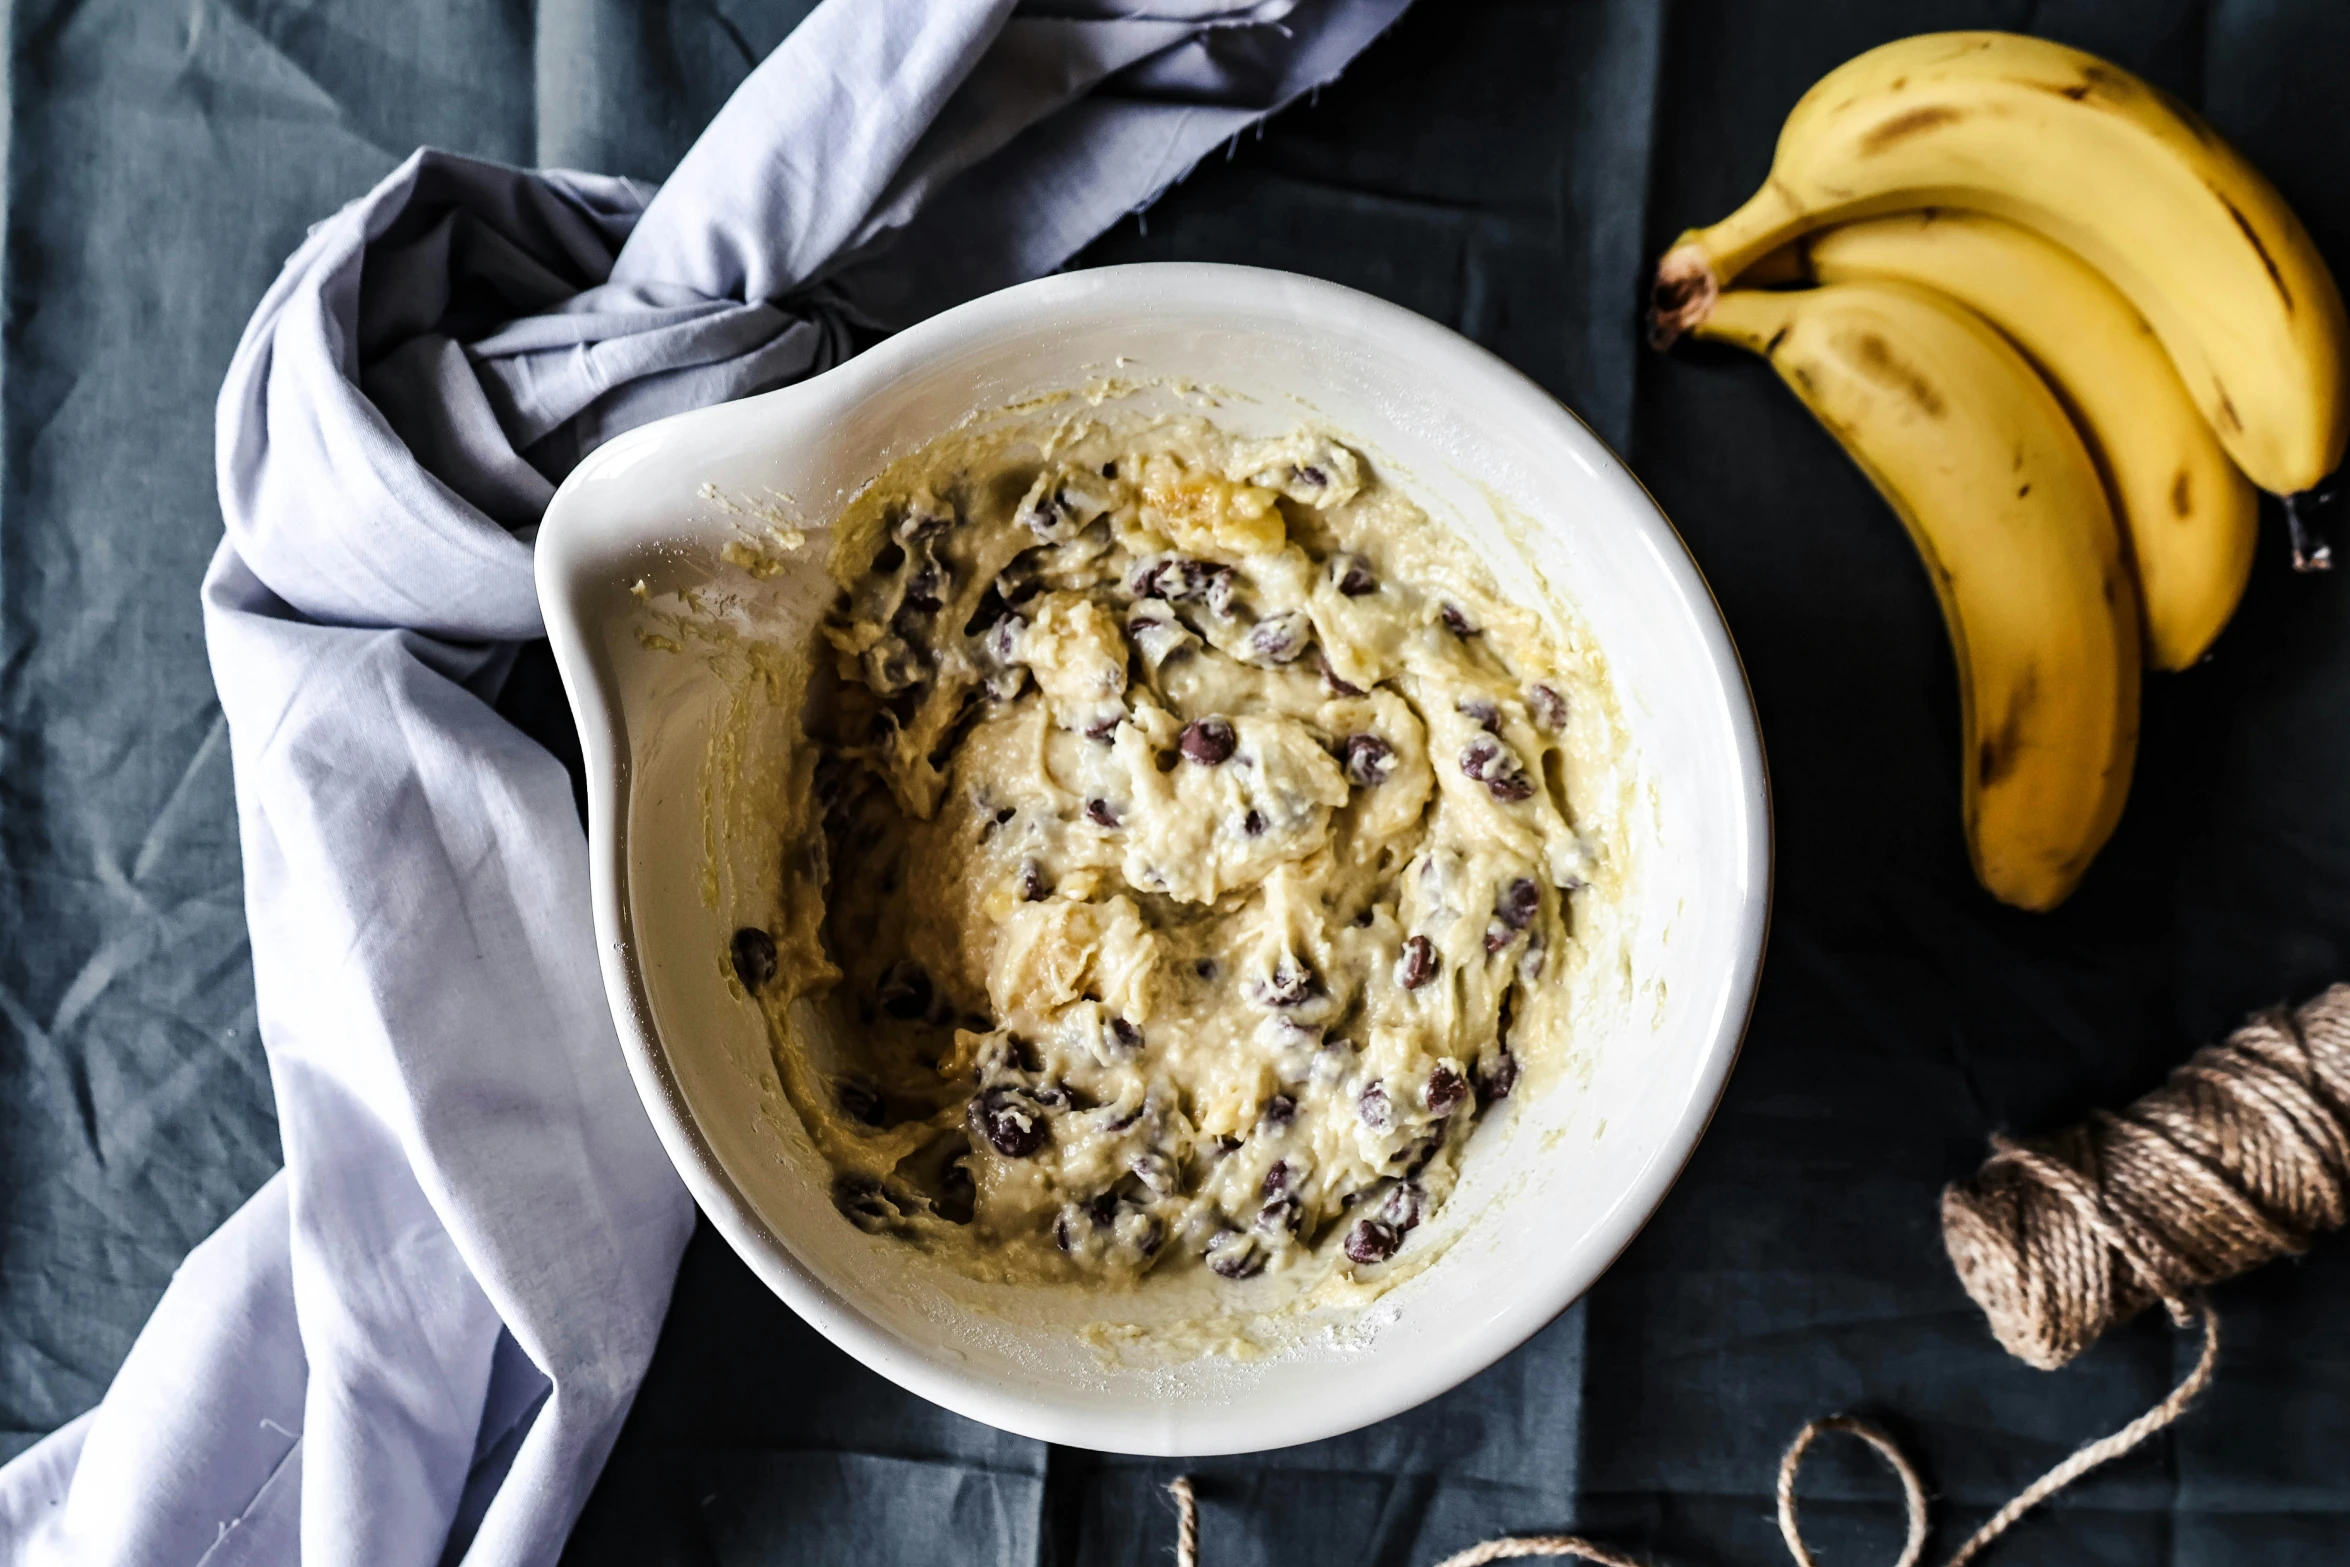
(2242, 1156)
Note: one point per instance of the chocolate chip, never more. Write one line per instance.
(1280, 1110)
(1371, 1241)
(1481, 713)
(1497, 1074)
(1547, 706)
(1101, 813)
(1511, 789)
(1376, 1109)
(1279, 639)
(917, 525)
(904, 990)
(1336, 686)
(1370, 761)
(1280, 1216)
(1495, 765)
(1353, 574)
(1049, 518)
(1207, 741)
(1484, 757)
(1032, 888)
(1156, 634)
(1290, 984)
(1512, 912)
(1311, 475)
(1182, 578)
(859, 1101)
(1446, 1091)
(1126, 1033)
(1012, 1126)
(926, 589)
(1401, 1207)
(1417, 964)
(754, 957)
(1276, 1179)
(1456, 622)
(1102, 728)
(1253, 824)
(1234, 1255)
(1155, 1171)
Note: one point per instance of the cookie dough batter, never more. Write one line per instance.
(1197, 835)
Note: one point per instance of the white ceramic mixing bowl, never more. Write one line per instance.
(1549, 1197)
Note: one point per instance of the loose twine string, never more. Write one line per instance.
(2243, 1155)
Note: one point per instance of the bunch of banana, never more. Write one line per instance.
(2065, 330)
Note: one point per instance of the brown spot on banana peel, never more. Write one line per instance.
(2182, 494)
(2094, 79)
(1875, 359)
(2223, 412)
(2001, 749)
(2252, 237)
(1908, 123)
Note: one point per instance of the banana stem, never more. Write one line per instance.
(1683, 294)
(1692, 274)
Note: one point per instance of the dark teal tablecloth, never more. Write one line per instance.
(1508, 168)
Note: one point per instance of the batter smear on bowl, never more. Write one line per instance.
(1197, 841)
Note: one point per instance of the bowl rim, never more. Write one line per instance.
(1031, 308)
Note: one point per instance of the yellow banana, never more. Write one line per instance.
(2190, 517)
(2093, 158)
(1975, 453)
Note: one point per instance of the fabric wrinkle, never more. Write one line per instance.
(476, 1232)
